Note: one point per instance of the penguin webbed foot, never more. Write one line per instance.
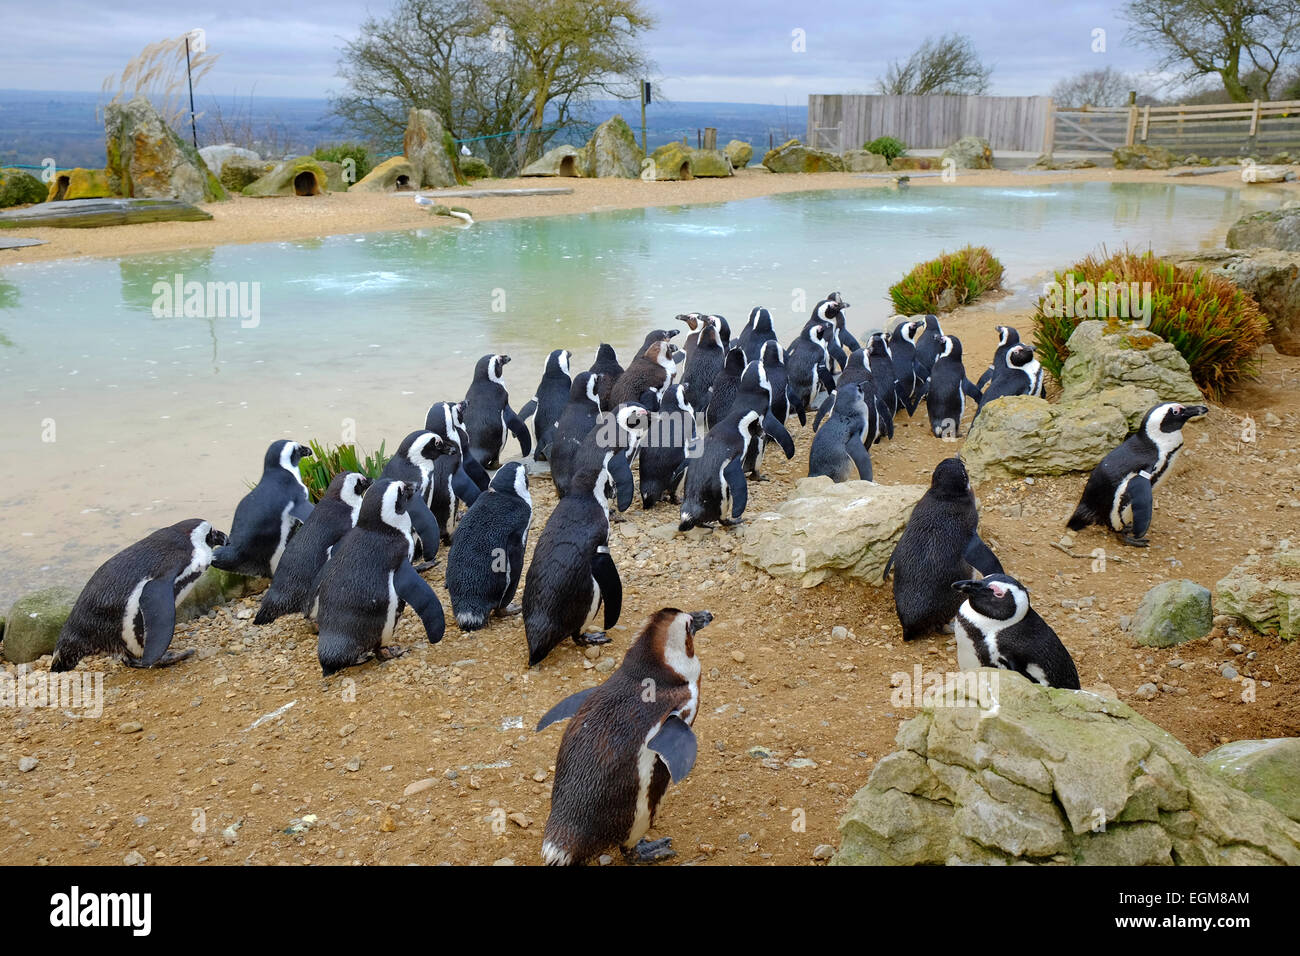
(1130, 539)
(426, 566)
(389, 652)
(650, 851)
(591, 639)
(510, 610)
(732, 522)
(167, 660)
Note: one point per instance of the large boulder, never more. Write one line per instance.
(1279, 229)
(1260, 174)
(429, 148)
(1110, 354)
(1008, 771)
(710, 164)
(237, 173)
(475, 167)
(148, 160)
(79, 183)
(19, 188)
(793, 156)
(612, 151)
(302, 176)
(1143, 157)
(334, 181)
(865, 161)
(672, 161)
(969, 152)
(33, 624)
(739, 152)
(1264, 592)
(1271, 277)
(214, 588)
(847, 529)
(563, 160)
(1172, 612)
(217, 156)
(388, 176)
(1265, 769)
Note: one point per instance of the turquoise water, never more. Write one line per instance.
(155, 419)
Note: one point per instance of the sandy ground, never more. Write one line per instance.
(284, 218)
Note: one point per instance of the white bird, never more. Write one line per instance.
(464, 150)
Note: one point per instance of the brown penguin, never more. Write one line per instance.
(651, 371)
(627, 739)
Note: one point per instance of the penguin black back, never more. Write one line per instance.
(703, 366)
(547, 405)
(576, 421)
(487, 558)
(725, 387)
(606, 365)
(488, 415)
(265, 517)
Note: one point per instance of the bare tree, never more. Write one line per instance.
(1242, 42)
(1106, 87)
(946, 64)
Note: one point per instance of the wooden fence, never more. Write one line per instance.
(840, 122)
(1205, 130)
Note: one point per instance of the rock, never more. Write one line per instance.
(1109, 354)
(148, 160)
(1052, 777)
(134, 858)
(827, 529)
(1173, 612)
(334, 181)
(1048, 161)
(672, 161)
(418, 787)
(216, 157)
(794, 157)
(1262, 591)
(93, 213)
(34, 622)
(862, 161)
(429, 148)
(563, 160)
(709, 164)
(1272, 279)
(1228, 672)
(913, 163)
(78, 183)
(1267, 174)
(19, 188)
(1265, 769)
(1279, 229)
(969, 152)
(214, 588)
(1143, 157)
(739, 152)
(473, 167)
(824, 851)
(301, 176)
(1147, 691)
(612, 151)
(237, 173)
(27, 764)
(388, 176)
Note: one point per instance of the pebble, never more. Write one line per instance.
(130, 727)
(738, 656)
(256, 788)
(1147, 691)
(347, 730)
(605, 859)
(539, 776)
(353, 765)
(760, 752)
(824, 852)
(839, 633)
(1236, 648)
(605, 664)
(27, 764)
(504, 861)
(141, 820)
(591, 653)
(133, 859)
(521, 820)
(231, 834)
(1229, 671)
(418, 786)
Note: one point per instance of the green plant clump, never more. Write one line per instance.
(338, 152)
(943, 284)
(328, 461)
(1215, 326)
(887, 147)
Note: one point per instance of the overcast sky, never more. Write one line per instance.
(728, 51)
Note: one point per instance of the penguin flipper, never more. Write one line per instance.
(415, 591)
(988, 374)
(858, 453)
(1140, 500)
(734, 474)
(611, 587)
(838, 356)
(676, 745)
(158, 606)
(621, 472)
(425, 525)
(464, 486)
(826, 378)
(792, 400)
(519, 431)
(776, 431)
(826, 406)
(650, 399)
(526, 412)
(564, 709)
(969, 388)
(981, 557)
(476, 472)
(302, 510)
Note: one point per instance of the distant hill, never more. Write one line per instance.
(66, 126)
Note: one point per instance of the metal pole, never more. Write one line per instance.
(194, 133)
(644, 84)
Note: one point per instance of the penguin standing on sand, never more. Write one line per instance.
(572, 575)
(725, 386)
(367, 582)
(1008, 338)
(488, 414)
(1019, 374)
(308, 550)
(855, 372)
(758, 329)
(624, 745)
(945, 400)
(457, 476)
(672, 431)
(929, 343)
(996, 627)
(547, 405)
(830, 310)
(840, 449)
(846, 339)
(772, 358)
(487, 558)
(128, 606)
(939, 546)
(414, 464)
(576, 422)
(881, 364)
(1119, 492)
(909, 381)
(807, 362)
(266, 515)
(646, 378)
(607, 367)
(696, 322)
(703, 366)
(755, 393)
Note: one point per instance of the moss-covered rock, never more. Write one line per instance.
(865, 161)
(301, 176)
(913, 163)
(1110, 354)
(475, 167)
(34, 623)
(428, 147)
(672, 161)
(739, 152)
(710, 164)
(1140, 156)
(334, 181)
(216, 587)
(794, 157)
(390, 175)
(969, 152)
(1172, 612)
(238, 173)
(78, 183)
(148, 160)
(19, 188)
(563, 160)
(1266, 769)
(612, 151)
(1264, 592)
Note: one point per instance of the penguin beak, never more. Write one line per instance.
(968, 587)
(700, 619)
(304, 451)
(217, 538)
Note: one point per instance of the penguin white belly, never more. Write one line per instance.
(128, 619)
(645, 765)
(967, 657)
(286, 523)
(1036, 674)
(390, 616)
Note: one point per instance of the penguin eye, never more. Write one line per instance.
(998, 590)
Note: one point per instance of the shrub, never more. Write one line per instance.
(19, 188)
(887, 147)
(327, 462)
(1215, 326)
(942, 284)
(338, 152)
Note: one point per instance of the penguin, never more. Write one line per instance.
(996, 627)
(309, 548)
(457, 476)
(855, 372)
(646, 378)
(487, 558)
(830, 310)
(945, 399)
(623, 746)
(266, 516)
(909, 382)
(1008, 338)
(758, 329)
(839, 450)
(1120, 489)
(881, 364)
(703, 366)
(576, 422)
(940, 545)
(848, 341)
(547, 404)
(1020, 373)
(807, 362)
(128, 606)
(606, 365)
(697, 322)
(572, 575)
(784, 401)
(414, 463)
(368, 580)
(488, 413)
(725, 386)
(756, 392)
(929, 343)
(672, 431)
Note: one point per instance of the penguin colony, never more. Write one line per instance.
(695, 422)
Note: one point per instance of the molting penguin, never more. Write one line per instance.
(1008, 338)
(368, 580)
(576, 422)
(945, 399)
(909, 381)
(758, 329)
(646, 378)
(487, 558)
(1019, 373)
(572, 575)
(309, 548)
(266, 515)
(996, 627)
(607, 367)
(940, 545)
(624, 744)
(807, 361)
(672, 431)
(703, 366)
(457, 476)
(1119, 490)
(548, 403)
(128, 606)
(488, 413)
(414, 463)
(840, 449)
(725, 386)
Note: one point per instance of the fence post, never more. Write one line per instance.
(1132, 125)
(1049, 128)
(1253, 140)
(1146, 121)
